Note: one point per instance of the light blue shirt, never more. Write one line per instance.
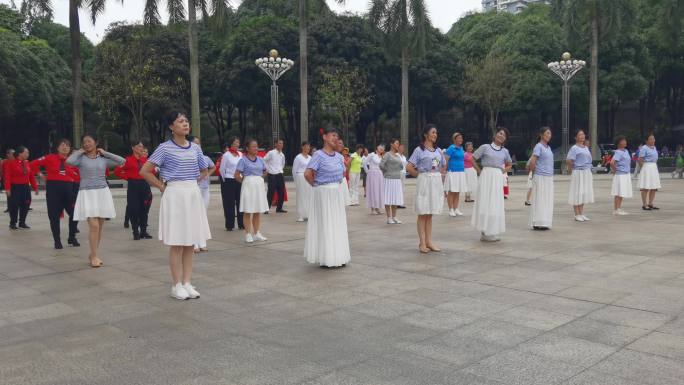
(580, 157)
(491, 155)
(650, 154)
(248, 167)
(622, 162)
(327, 168)
(544, 154)
(425, 160)
(204, 183)
(456, 158)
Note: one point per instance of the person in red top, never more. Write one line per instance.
(3, 165)
(59, 191)
(139, 194)
(18, 177)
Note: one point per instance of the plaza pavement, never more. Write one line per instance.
(586, 303)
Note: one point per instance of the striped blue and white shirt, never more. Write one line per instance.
(178, 163)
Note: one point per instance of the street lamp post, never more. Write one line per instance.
(566, 68)
(274, 66)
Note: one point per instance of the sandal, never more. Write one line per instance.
(653, 207)
(647, 208)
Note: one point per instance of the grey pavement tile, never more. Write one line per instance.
(571, 350)
(52, 310)
(675, 326)
(643, 368)
(397, 366)
(592, 294)
(539, 285)
(565, 305)
(474, 307)
(386, 308)
(533, 318)
(458, 355)
(508, 296)
(652, 303)
(491, 332)
(590, 377)
(343, 297)
(630, 317)
(436, 319)
(662, 344)
(426, 297)
(602, 332)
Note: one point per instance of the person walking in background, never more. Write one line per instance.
(455, 182)
(139, 193)
(94, 202)
(275, 163)
(581, 179)
(203, 182)
(299, 165)
(471, 172)
(230, 191)
(393, 190)
(4, 164)
(541, 163)
(19, 180)
(250, 171)
(355, 174)
(622, 180)
(649, 179)
(374, 180)
(679, 162)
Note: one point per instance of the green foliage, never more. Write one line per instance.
(10, 19)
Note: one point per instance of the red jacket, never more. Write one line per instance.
(131, 168)
(19, 172)
(55, 168)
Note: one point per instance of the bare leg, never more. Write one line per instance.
(644, 197)
(428, 234)
(394, 211)
(388, 211)
(617, 203)
(247, 221)
(421, 233)
(93, 240)
(450, 200)
(175, 264)
(651, 197)
(187, 253)
(457, 196)
(580, 209)
(256, 223)
(99, 234)
(529, 195)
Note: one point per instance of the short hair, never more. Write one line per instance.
(456, 134)
(171, 116)
(88, 135)
(619, 139)
(505, 130)
(230, 141)
(61, 141)
(136, 142)
(20, 149)
(250, 141)
(304, 143)
(9, 151)
(330, 130)
(359, 146)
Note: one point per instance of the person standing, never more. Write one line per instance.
(679, 162)
(94, 202)
(327, 240)
(230, 192)
(649, 178)
(250, 171)
(374, 180)
(489, 215)
(19, 180)
(427, 163)
(59, 192)
(275, 163)
(204, 183)
(622, 180)
(4, 164)
(455, 181)
(541, 163)
(471, 172)
(404, 162)
(637, 155)
(303, 187)
(393, 191)
(355, 162)
(581, 179)
(138, 193)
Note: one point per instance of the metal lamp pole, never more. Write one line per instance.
(566, 69)
(274, 67)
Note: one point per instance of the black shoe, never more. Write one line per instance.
(646, 208)
(77, 231)
(654, 207)
(241, 227)
(528, 203)
(24, 226)
(136, 236)
(30, 209)
(401, 207)
(126, 225)
(58, 245)
(6, 211)
(229, 229)
(73, 242)
(281, 211)
(145, 235)
(14, 227)
(266, 212)
(540, 228)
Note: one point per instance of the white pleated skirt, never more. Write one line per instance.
(541, 211)
(649, 178)
(345, 195)
(183, 216)
(471, 179)
(327, 240)
(429, 198)
(622, 186)
(303, 195)
(253, 195)
(374, 184)
(393, 192)
(456, 182)
(489, 215)
(581, 187)
(95, 203)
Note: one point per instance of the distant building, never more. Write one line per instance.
(510, 6)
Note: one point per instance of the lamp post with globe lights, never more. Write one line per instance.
(274, 66)
(566, 68)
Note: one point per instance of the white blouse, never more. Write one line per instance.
(229, 164)
(300, 163)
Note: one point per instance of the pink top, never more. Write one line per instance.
(468, 160)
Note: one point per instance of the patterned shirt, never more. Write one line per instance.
(178, 163)
(491, 155)
(426, 160)
(204, 183)
(327, 168)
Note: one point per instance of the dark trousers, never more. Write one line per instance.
(60, 197)
(19, 203)
(76, 187)
(230, 195)
(276, 183)
(138, 201)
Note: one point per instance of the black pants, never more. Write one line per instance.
(19, 203)
(60, 197)
(76, 187)
(230, 195)
(276, 182)
(138, 201)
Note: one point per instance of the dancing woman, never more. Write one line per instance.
(355, 174)
(94, 202)
(327, 241)
(622, 180)
(541, 163)
(374, 180)
(393, 192)
(230, 188)
(489, 215)
(581, 179)
(19, 180)
(138, 194)
(471, 172)
(649, 177)
(250, 172)
(303, 187)
(427, 163)
(455, 182)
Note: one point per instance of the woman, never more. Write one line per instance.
(471, 172)
(455, 182)
(649, 177)
(327, 241)
(250, 171)
(581, 180)
(374, 180)
(344, 185)
(59, 191)
(303, 187)
(541, 164)
(622, 181)
(427, 163)
(94, 202)
(393, 192)
(355, 174)
(182, 217)
(489, 215)
(679, 162)
(230, 188)
(19, 180)
(203, 183)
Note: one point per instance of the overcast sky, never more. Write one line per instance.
(442, 12)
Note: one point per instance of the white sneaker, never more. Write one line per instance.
(390, 221)
(179, 292)
(259, 237)
(397, 221)
(192, 293)
(586, 218)
(579, 218)
(489, 238)
(452, 213)
(458, 212)
(249, 238)
(300, 219)
(622, 212)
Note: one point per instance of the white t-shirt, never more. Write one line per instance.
(300, 163)
(228, 164)
(275, 162)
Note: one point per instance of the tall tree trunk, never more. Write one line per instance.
(593, 86)
(303, 72)
(194, 68)
(76, 71)
(404, 98)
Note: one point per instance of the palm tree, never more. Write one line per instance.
(405, 24)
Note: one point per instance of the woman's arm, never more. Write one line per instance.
(147, 172)
(238, 176)
(569, 164)
(75, 158)
(411, 169)
(112, 159)
(309, 175)
(533, 163)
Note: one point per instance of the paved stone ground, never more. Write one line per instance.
(586, 303)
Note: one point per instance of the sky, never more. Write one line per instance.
(443, 13)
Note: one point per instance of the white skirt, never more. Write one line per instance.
(345, 195)
(327, 240)
(393, 192)
(489, 215)
(95, 203)
(581, 188)
(303, 195)
(471, 179)
(429, 198)
(374, 189)
(182, 215)
(541, 211)
(456, 182)
(649, 178)
(622, 186)
(253, 195)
